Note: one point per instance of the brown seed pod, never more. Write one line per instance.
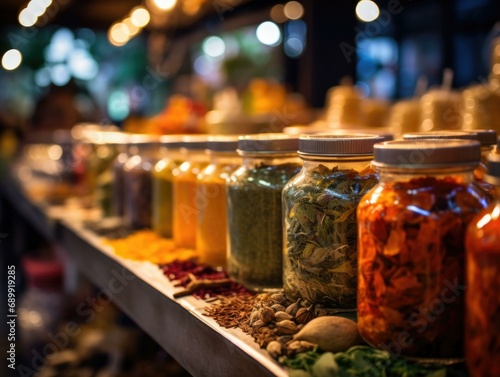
(293, 308)
(281, 316)
(278, 308)
(304, 315)
(266, 314)
(286, 327)
(258, 324)
(275, 349)
(295, 347)
(278, 298)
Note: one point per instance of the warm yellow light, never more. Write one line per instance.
(293, 10)
(140, 17)
(132, 29)
(118, 34)
(367, 10)
(26, 18)
(165, 4)
(11, 59)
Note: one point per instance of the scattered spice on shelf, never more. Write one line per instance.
(232, 312)
(145, 245)
(187, 273)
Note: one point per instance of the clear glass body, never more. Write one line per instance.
(138, 188)
(255, 247)
(320, 231)
(117, 185)
(211, 232)
(105, 157)
(482, 326)
(163, 176)
(482, 170)
(411, 266)
(185, 207)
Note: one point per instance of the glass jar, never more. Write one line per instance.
(488, 139)
(163, 175)
(255, 249)
(117, 185)
(142, 155)
(107, 146)
(411, 229)
(185, 210)
(482, 327)
(211, 233)
(483, 136)
(320, 232)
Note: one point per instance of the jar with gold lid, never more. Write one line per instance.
(411, 248)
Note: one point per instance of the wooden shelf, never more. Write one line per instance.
(142, 291)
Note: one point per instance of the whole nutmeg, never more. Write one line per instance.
(286, 327)
(266, 314)
(304, 315)
(293, 308)
(275, 349)
(281, 316)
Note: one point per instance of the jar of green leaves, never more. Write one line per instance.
(319, 209)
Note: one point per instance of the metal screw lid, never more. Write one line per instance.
(338, 145)
(222, 143)
(194, 142)
(268, 143)
(487, 138)
(424, 154)
(440, 135)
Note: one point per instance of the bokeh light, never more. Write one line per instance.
(11, 59)
(367, 10)
(269, 33)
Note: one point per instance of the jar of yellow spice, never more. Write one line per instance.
(211, 196)
(185, 206)
(172, 156)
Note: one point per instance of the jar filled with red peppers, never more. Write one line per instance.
(411, 229)
(482, 328)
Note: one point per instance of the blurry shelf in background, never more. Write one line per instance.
(141, 290)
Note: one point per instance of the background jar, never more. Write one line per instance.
(107, 147)
(411, 229)
(255, 248)
(319, 212)
(172, 156)
(185, 207)
(142, 154)
(211, 236)
(482, 326)
(485, 137)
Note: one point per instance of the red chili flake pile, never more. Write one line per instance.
(181, 271)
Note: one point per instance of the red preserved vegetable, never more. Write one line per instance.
(411, 265)
(482, 329)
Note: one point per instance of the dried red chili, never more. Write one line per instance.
(181, 272)
(411, 265)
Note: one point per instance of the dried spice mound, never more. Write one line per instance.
(232, 312)
(145, 245)
(187, 272)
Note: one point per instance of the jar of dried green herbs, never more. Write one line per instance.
(320, 230)
(255, 211)
(172, 156)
